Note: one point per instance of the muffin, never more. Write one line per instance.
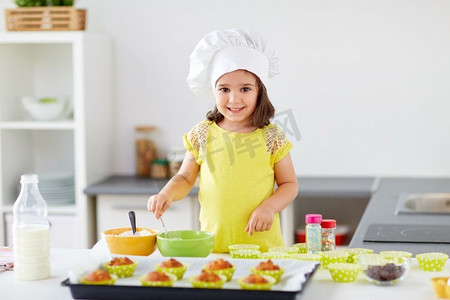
(208, 279)
(158, 278)
(221, 267)
(99, 277)
(268, 268)
(256, 282)
(121, 266)
(172, 266)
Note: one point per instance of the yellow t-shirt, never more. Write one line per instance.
(236, 176)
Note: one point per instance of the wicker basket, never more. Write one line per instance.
(48, 18)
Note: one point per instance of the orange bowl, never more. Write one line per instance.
(142, 245)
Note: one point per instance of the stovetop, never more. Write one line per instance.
(408, 233)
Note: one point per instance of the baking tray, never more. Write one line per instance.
(132, 292)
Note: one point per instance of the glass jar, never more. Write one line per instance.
(160, 169)
(145, 150)
(313, 232)
(328, 235)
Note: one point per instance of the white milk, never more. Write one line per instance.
(31, 247)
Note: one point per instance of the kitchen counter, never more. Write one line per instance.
(382, 206)
(416, 284)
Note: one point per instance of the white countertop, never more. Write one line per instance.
(416, 284)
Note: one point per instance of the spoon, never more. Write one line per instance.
(164, 227)
(132, 217)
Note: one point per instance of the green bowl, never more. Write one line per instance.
(185, 243)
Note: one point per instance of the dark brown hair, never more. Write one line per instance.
(264, 110)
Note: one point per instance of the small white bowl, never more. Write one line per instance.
(46, 109)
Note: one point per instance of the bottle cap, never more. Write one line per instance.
(313, 219)
(29, 178)
(328, 223)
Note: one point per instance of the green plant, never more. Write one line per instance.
(31, 3)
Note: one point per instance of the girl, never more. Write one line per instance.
(237, 152)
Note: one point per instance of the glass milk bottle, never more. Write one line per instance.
(313, 232)
(31, 243)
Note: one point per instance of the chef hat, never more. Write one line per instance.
(224, 51)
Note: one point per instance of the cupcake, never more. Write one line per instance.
(99, 277)
(256, 282)
(221, 267)
(208, 280)
(158, 278)
(121, 266)
(172, 266)
(268, 268)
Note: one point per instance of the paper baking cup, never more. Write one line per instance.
(356, 251)
(395, 254)
(288, 250)
(243, 247)
(245, 253)
(228, 273)
(178, 271)
(441, 286)
(344, 272)
(301, 247)
(273, 255)
(333, 257)
(208, 285)
(257, 286)
(432, 261)
(122, 270)
(104, 282)
(169, 283)
(306, 256)
(276, 274)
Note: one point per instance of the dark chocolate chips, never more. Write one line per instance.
(388, 272)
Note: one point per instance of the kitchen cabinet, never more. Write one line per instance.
(112, 212)
(75, 65)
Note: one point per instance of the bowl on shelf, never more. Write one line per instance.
(185, 243)
(122, 241)
(384, 271)
(46, 109)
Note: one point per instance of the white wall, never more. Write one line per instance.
(367, 81)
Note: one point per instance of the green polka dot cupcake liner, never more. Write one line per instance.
(306, 257)
(354, 252)
(288, 250)
(122, 270)
(257, 286)
(228, 273)
(245, 253)
(432, 261)
(276, 274)
(179, 271)
(169, 283)
(301, 247)
(236, 247)
(395, 254)
(208, 285)
(344, 272)
(273, 255)
(333, 257)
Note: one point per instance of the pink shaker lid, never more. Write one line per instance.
(313, 219)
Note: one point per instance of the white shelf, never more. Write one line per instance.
(76, 65)
(33, 125)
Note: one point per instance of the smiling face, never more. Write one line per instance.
(236, 95)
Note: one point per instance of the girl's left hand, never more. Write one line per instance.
(261, 219)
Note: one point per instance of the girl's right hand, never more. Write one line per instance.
(158, 204)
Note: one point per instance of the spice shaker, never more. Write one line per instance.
(313, 232)
(328, 234)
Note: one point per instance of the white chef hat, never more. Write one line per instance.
(224, 51)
